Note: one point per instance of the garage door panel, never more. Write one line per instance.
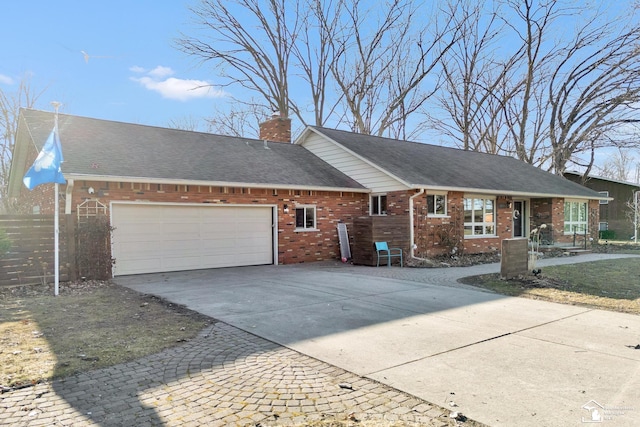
(138, 266)
(182, 263)
(136, 229)
(154, 238)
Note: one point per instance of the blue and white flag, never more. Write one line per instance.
(46, 168)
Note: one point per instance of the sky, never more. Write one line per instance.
(112, 60)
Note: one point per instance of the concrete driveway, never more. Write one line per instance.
(503, 361)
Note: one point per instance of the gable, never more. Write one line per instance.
(368, 175)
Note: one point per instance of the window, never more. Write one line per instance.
(604, 194)
(603, 226)
(575, 217)
(379, 204)
(436, 204)
(305, 217)
(479, 217)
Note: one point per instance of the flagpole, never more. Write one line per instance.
(56, 242)
(56, 220)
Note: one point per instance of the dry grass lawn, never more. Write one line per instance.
(89, 325)
(608, 285)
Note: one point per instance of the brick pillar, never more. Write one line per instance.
(276, 129)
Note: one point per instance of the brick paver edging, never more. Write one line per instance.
(223, 377)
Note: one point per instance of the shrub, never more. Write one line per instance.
(93, 248)
(607, 234)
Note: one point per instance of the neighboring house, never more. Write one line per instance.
(616, 216)
(184, 200)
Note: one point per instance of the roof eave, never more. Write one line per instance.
(167, 181)
(601, 178)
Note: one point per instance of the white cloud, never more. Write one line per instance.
(6, 79)
(160, 72)
(157, 80)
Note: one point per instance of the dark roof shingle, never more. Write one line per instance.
(425, 165)
(108, 148)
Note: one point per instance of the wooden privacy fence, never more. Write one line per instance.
(31, 257)
(366, 230)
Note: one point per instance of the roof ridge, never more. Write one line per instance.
(119, 122)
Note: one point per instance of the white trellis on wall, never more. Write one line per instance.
(90, 209)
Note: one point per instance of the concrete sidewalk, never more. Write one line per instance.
(503, 361)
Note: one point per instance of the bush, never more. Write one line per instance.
(5, 243)
(607, 234)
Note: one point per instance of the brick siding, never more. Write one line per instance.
(433, 236)
(293, 246)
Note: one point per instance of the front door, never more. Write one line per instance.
(519, 211)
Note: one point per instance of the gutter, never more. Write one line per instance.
(497, 192)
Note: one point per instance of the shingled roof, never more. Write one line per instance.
(421, 165)
(116, 150)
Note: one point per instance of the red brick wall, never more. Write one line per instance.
(398, 203)
(594, 219)
(435, 236)
(550, 211)
(293, 247)
(332, 207)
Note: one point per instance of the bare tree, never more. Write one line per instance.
(350, 62)
(382, 58)
(532, 22)
(24, 96)
(241, 122)
(594, 95)
(568, 88)
(475, 90)
(578, 89)
(618, 166)
(189, 123)
(250, 43)
(314, 55)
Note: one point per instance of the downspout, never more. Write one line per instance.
(635, 217)
(411, 219)
(68, 197)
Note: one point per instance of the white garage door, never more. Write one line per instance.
(155, 238)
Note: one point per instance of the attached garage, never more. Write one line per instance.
(151, 238)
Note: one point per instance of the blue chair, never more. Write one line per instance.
(382, 250)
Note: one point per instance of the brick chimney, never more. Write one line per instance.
(276, 129)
